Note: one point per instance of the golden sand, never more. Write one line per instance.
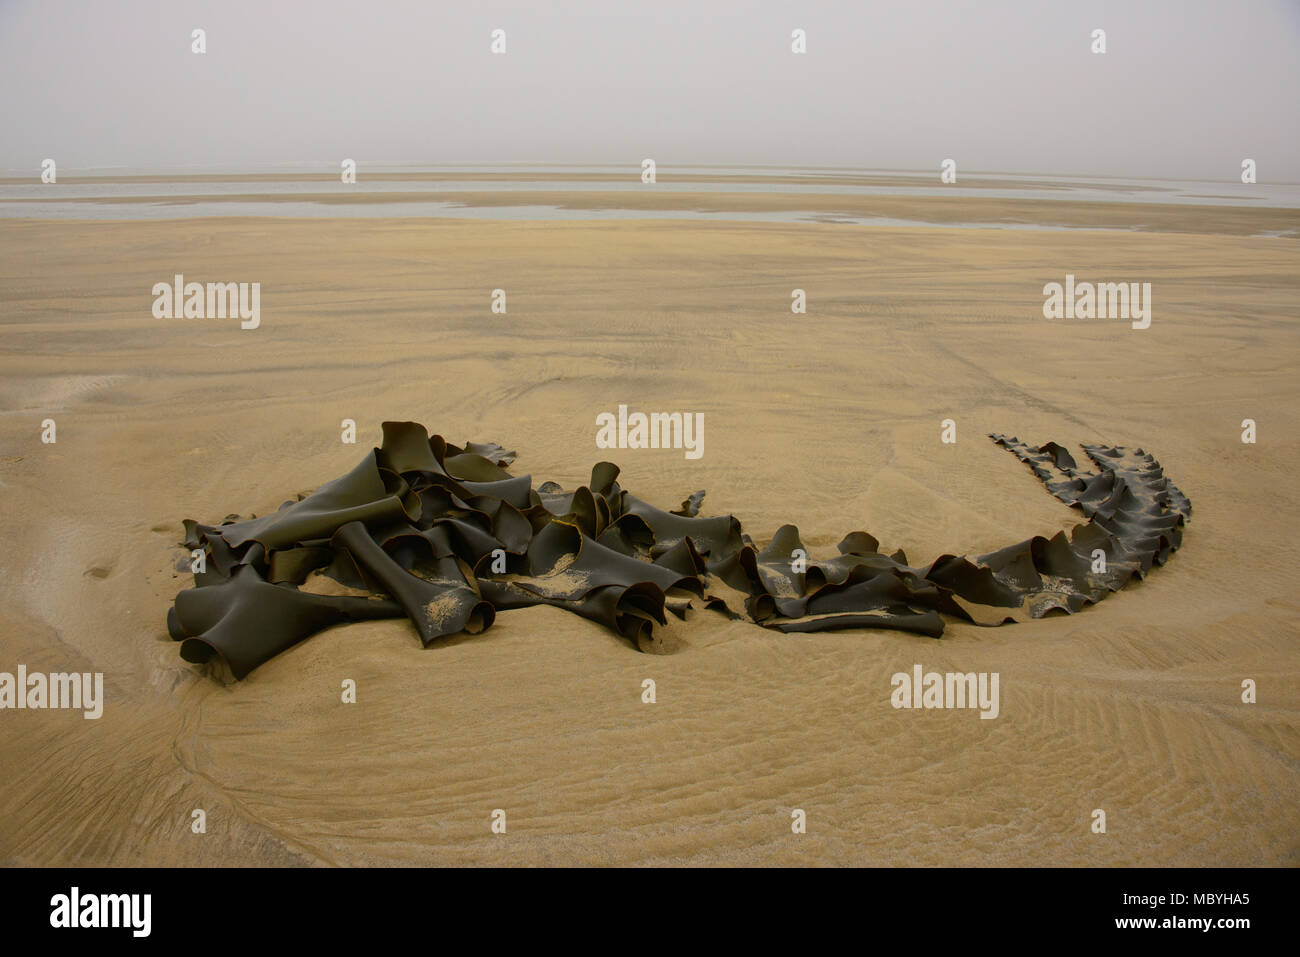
(1132, 706)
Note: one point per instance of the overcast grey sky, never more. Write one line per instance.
(1185, 90)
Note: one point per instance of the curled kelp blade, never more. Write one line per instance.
(446, 537)
(246, 621)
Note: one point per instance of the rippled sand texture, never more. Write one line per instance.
(1132, 706)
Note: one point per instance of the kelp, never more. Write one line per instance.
(446, 537)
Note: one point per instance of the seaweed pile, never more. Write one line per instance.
(446, 537)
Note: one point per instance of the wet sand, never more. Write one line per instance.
(1132, 706)
(937, 210)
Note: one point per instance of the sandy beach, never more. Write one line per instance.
(1133, 706)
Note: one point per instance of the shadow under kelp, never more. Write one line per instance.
(446, 537)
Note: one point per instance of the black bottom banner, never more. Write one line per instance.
(136, 906)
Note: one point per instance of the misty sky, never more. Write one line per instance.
(1186, 89)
